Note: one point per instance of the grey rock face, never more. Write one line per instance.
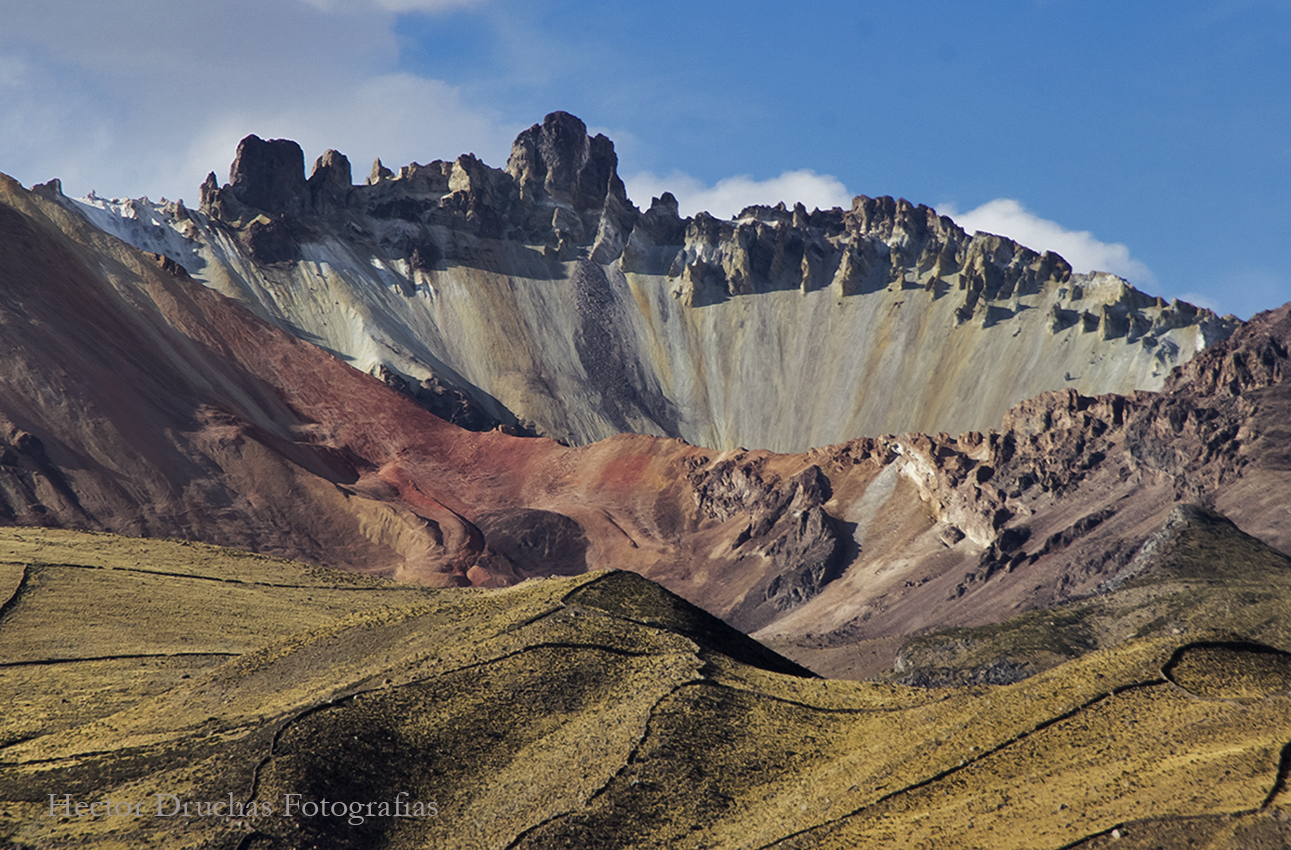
(269, 175)
(544, 294)
(330, 183)
(558, 160)
(787, 526)
(805, 559)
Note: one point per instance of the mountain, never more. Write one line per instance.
(1061, 503)
(1072, 618)
(140, 401)
(540, 297)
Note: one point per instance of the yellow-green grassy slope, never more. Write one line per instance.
(594, 711)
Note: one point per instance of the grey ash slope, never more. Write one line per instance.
(540, 297)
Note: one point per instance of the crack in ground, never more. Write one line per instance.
(560, 606)
(89, 658)
(230, 731)
(403, 588)
(17, 591)
(821, 709)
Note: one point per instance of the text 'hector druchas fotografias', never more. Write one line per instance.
(291, 805)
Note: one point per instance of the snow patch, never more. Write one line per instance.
(145, 225)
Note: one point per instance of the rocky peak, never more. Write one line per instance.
(886, 216)
(557, 160)
(666, 204)
(662, 224)
(1258, 357)
(560, 201)
(480, 194)
(209, 194)
(331, 181)
(561, 188)
(379, 172)
(270, 175)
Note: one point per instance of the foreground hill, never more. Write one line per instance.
(540, 297)
(138, 401)
(596, 710)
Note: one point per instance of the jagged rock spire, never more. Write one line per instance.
(330, 182)
(557, 159)
(269, 175)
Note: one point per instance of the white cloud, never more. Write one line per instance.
(731, 195)
(147, 97)
(400, 118)
(1007, 217)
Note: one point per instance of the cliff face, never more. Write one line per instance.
(1062, 503)
(541, 298)
(137, 401)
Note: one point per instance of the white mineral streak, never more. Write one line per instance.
(782, 370)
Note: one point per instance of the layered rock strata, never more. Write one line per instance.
(545, 300)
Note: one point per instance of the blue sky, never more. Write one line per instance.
(1154, 142)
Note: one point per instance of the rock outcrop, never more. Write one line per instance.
(1056, 505)
(556, 166)
(781, 329)
(269, 175)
